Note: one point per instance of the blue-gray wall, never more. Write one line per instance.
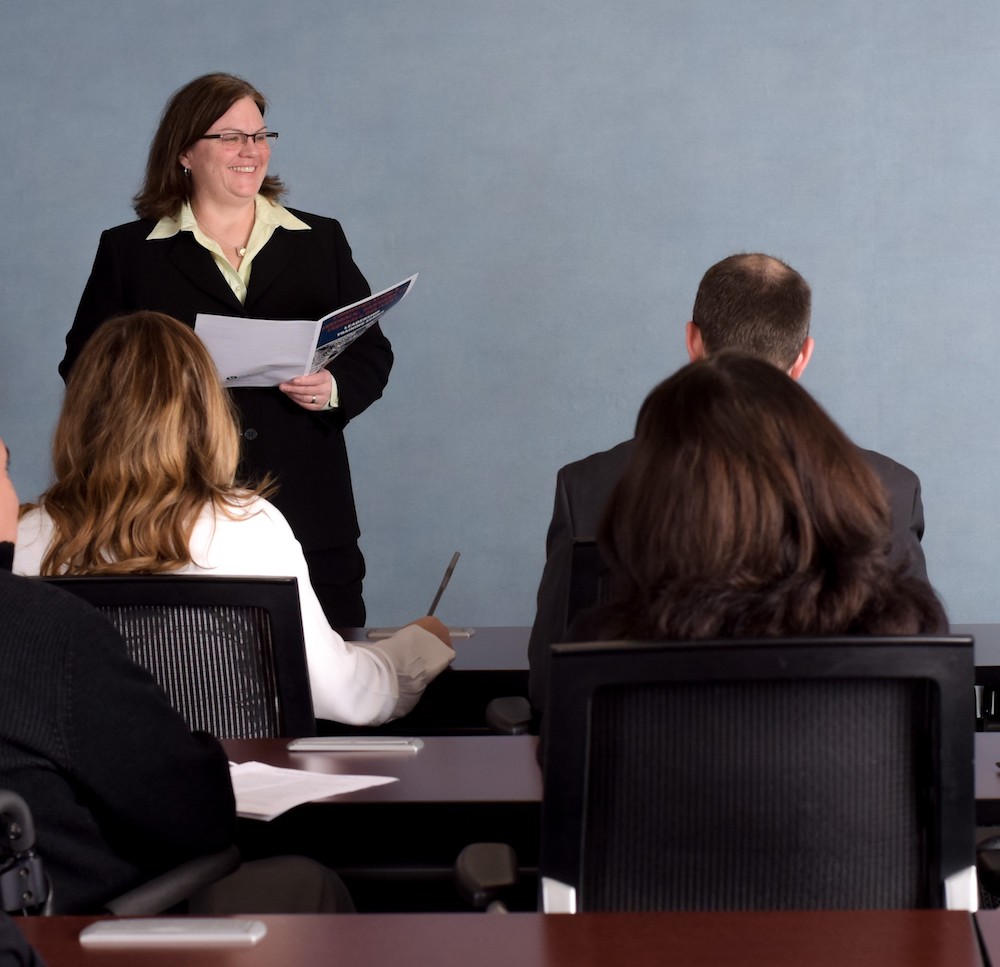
(560, 174)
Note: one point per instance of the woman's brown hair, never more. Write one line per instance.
(189, 113)
(146, 438)
(745, 511)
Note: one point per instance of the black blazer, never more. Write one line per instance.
(582, 490)
(297, 275)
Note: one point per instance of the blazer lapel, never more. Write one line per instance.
(268, 265)
(198, 267)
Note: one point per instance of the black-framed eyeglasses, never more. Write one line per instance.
(233, 138)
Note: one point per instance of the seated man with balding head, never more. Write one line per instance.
(753, 303)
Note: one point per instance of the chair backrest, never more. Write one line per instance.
(768, 774)
(228, 651)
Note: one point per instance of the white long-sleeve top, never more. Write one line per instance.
(352, 682)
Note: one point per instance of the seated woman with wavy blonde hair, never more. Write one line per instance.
(145, 455)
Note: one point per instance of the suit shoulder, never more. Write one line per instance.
(888, 469)
(320, 222)
(602, 464)
(583, 487)
(129, 231)
(326, 236)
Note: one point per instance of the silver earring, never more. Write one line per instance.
(187, 172)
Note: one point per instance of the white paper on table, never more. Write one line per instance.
(264, 792)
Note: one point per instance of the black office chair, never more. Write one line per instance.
(770, 774)
(171, 890)
(228, 651)
(25, 888)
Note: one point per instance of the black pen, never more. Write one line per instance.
(444, 582)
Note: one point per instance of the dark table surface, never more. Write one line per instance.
(493, 662)
(906, 938)
(987, 779)
(477, 647)
(987, 650)
(395, 845)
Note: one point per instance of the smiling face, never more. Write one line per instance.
(225, 175)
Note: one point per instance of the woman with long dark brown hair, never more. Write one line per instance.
(745, 511)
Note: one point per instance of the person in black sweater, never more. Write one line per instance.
(119, 788)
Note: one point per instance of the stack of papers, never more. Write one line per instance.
(264, 792)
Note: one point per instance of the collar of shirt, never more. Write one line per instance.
(268, 216)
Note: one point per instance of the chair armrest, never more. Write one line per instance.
(509, 715)
(24, 885)
(175, 886)
(483, 871)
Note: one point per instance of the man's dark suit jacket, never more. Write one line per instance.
(583, 488)
(297, 275)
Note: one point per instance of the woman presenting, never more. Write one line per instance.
(212, 238)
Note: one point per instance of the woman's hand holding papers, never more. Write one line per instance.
(311, 392)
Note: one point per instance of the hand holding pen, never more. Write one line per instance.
(430, 623)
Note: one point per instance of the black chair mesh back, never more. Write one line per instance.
(699, 796)
(216, 664)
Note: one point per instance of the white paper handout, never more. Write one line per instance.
(265, 352)
(264, 792)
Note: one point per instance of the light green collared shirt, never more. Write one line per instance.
(268, 216)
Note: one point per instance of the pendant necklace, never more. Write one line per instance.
(240, 250)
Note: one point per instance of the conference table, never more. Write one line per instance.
(471, 773)
(464, 788)
(988, 928)
(503, 649)
(893, 938)
(987, 779)
(492, 662)
(395, 844)
(987, 650)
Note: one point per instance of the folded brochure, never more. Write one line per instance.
(265, 352)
